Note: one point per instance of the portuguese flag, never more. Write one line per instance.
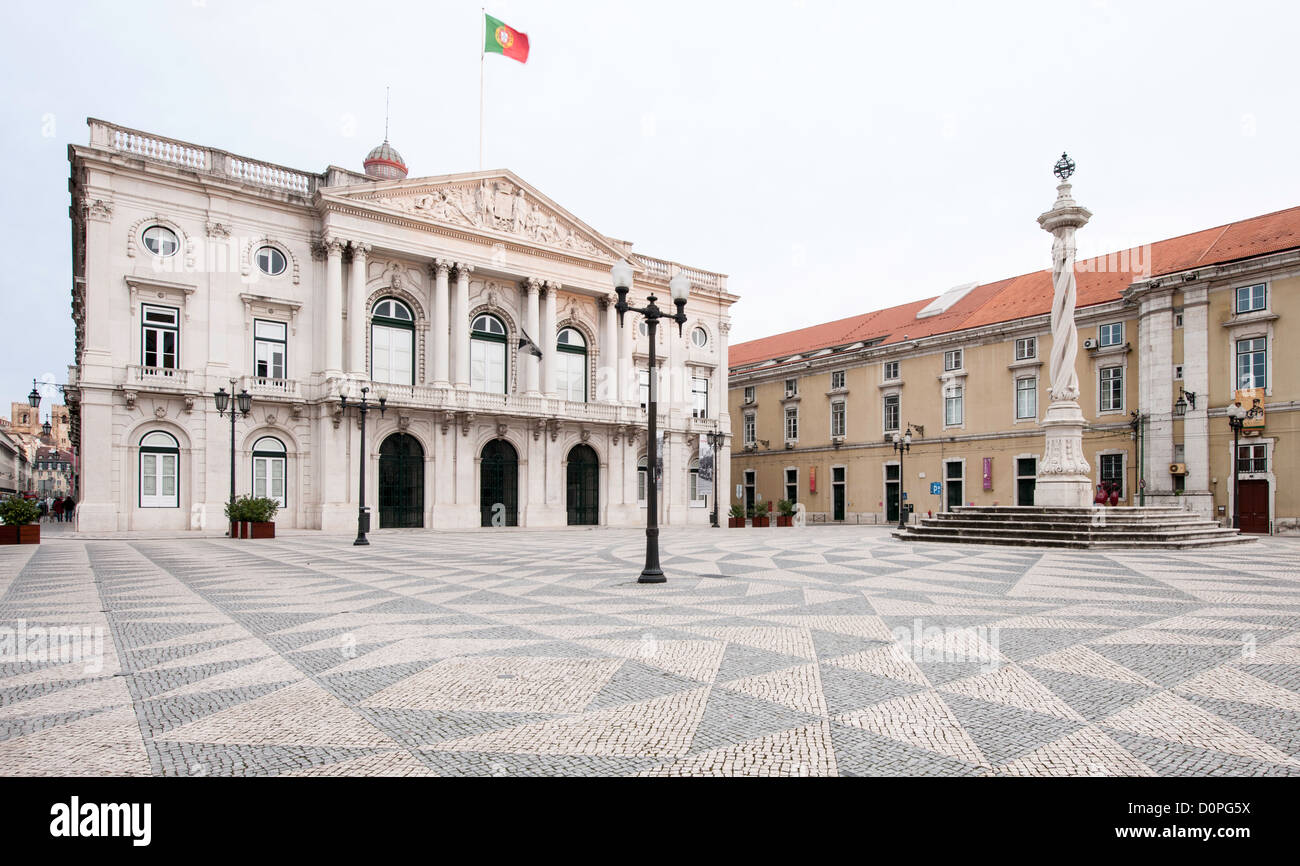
(505, 40)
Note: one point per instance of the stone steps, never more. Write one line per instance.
(1115, 528)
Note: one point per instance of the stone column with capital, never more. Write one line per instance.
(546, 339)
(460, 325)
(532, 324)
(357, 311)
(333, 307)
(440, 319)
(1063, 472)
(607, 379)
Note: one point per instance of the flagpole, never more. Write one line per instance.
(482, 58)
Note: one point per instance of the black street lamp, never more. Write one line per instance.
(243, 404)
(680, 288)
(902, 444)
(34, 398)
(715, 438)
(362, 406)
(1236, 420)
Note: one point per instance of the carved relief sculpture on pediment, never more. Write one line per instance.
(498, 205)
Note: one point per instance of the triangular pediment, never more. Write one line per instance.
(495, 203)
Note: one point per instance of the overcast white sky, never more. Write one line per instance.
(832, 158)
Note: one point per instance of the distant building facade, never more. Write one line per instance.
(1170, 334)
(479, 307)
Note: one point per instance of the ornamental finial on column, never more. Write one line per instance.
(1064, 167)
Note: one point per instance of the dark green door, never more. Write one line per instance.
(837, 493)
(891, 494)
(1026, 470)
(583, 497)
(954, 485)
(499, 484)
(401, 482)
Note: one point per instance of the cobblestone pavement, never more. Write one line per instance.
(794, 652)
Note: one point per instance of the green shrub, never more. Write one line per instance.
(738, 511)
(252, 510)
(785, 508)
(17, 511)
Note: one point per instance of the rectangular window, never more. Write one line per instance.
(953, 408)
(487, 364)
(1026, 348)
(791, 387)
(952, 359)
(791, 423)
(269, 352)
(1252, 298)
(1112, 389)
(1027, 397)
(1252, 458)
(1111, 470)
(699, 397)
(392, 354)
(698, 491)
(750, 428)
(749, 393)
(268, 478)
(1252, 369)
(1111, 334)
(891, 413)
(837, 380)
(891, 371)
(158, 479)
(837, 418)
(161, 337)
(1178, 372)
(792, 485)
(571, 376)
(1178, 317)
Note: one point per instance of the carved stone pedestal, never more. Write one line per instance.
(1063, 480)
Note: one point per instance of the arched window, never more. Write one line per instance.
(641, 467)
(269, 465)
(487, 354)
(160, 459)
(571, 365)
(392, 343)
(696, 490)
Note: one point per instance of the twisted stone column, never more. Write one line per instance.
(1063, 479)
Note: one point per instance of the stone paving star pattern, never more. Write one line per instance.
(767, 653)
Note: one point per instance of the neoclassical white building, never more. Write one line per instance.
(477, 306)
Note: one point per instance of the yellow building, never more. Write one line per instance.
(1168, 332)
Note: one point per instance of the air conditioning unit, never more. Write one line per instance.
(1090, 343)
(837, 441)
(749, 446)
(789, 446)
(1177, 468)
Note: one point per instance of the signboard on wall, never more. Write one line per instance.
(988, 473)
(812, 479)
(1252, 400)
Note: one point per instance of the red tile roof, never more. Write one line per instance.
(1100, 280)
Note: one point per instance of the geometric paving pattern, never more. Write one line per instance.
(820, 651)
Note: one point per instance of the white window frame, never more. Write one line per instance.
(1032, 390)
(786, 484)
(890, 367)
(792, 387)
(489, 369)
(266, 461)
(954, 359)
(1106, 329)
(749, 428)
(391, 353)
(749, 394)
(699, 397)
(838, 378)
(1237, 355)
(1026, 348)
(841, 408)
(1103, 392)
(954, 394)
(1103, 456)
(791, 415)
(160, 463)
(884, 412)
(1237, 309)
(269, 344)
(161, 330)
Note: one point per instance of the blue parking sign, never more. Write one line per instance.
(936, 488)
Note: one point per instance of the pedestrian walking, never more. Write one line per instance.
(69, 508)
(58, 510)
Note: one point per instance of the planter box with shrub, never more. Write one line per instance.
(736, 517)
(785, 513)
(20, 526)
(252, 518)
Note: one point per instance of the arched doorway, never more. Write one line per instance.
(499, 484)
(401, 482)
(583, 486)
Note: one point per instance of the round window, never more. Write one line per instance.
(700, 337)
(644, 328)
(270, 261)
(161, 241)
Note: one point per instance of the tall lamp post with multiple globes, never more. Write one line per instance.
(363, 406)
(241, 403)
(902, 444)
(680, 289)
(1236, 420)
(715, 438)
